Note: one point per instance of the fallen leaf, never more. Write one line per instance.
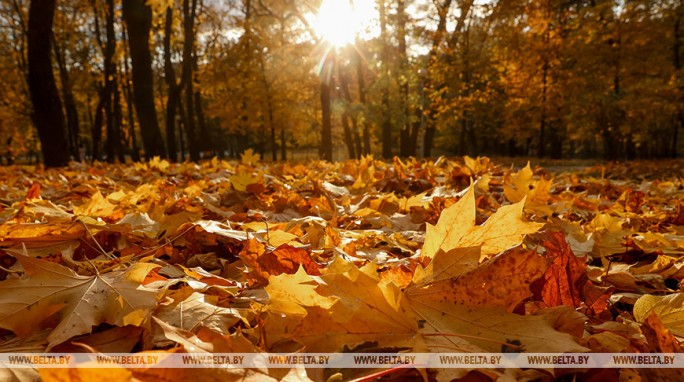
(670, 310)
(456, 228)
(81, 302)
(502, 281)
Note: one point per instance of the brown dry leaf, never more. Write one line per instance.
(564, 280)
(81, 302)
(456, 228)
(660, 340)
(502, 281)
(287, 259)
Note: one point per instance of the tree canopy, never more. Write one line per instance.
(187, 79)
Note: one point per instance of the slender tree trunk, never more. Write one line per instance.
(365, 126)
(349, 132)
(407, 144)
(69, 102)
(174, 88)
(386, 123)
(202, 124)
(138, 18)
(326, 149)
(47, 107)
(430, 85)
(189, 12)
(128, 94)
(113, 106)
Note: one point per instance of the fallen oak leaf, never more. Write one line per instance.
(81, 302)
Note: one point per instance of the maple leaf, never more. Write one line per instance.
(81, 302)
(566, 276)
(250, 158)
(522, 185)
(504, 281)
(456, 228)
(356, 309)
(190, 309)
(242, 180)
(492, 328)
(289, 294)
(98, 206)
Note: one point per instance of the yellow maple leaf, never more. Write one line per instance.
(250, 158)
(242, 179)
(456, 228)
(97, 206)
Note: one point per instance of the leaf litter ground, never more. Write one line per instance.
(452, 255)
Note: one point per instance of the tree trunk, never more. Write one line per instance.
(69, 103)
(326, 149)
(189, 12)
(386, 124)
(429, 84)
(407, 144)
(47, 107)
(365, 126)
(174, 88)
(114, 149)
(138, 18)
(128, 94)
(350, 133)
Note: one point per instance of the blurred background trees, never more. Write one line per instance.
(190, 79)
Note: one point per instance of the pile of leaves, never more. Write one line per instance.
(452, 255)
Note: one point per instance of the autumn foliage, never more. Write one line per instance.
(424, 256)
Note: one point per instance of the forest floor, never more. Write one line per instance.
(456, 255)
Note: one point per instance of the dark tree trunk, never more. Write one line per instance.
(350, 132)
(128, 94)
(47, 107)
(97, 126)
(69, 103)
(174, 88)
(138, 18)
(189, 12)
(113, 105)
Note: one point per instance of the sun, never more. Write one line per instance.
(339, 22)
